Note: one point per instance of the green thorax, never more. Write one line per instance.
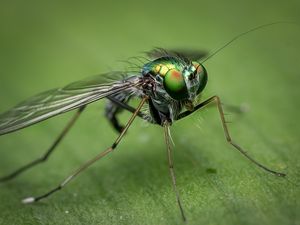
(162, 65)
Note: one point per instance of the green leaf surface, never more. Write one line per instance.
(49, 44)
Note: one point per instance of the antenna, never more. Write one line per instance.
(244, 33)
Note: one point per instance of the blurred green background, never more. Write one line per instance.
(46, 44)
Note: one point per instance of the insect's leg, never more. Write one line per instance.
(90, 162)
(171, 166)
(216, 99)
(47, 153)
(125, 106)
(236, 109)
(115, 105)
(112, 109)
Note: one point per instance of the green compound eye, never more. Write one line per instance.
(175, 85)
(202, 77)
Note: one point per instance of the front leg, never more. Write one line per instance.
(215, 99)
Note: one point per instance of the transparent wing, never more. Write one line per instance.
(57, 101)
(193, 55)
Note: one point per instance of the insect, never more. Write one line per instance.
(167, 85)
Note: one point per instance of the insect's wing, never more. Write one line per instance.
(193, 55)
(57, 101)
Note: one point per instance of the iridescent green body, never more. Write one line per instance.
(177, 83)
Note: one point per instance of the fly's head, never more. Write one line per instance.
(176, 79)
(185, 83)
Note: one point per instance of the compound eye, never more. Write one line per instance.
(202, 76)
(175, 85)
(197, 67)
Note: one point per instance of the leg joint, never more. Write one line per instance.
(216, 98)
(114, 145)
